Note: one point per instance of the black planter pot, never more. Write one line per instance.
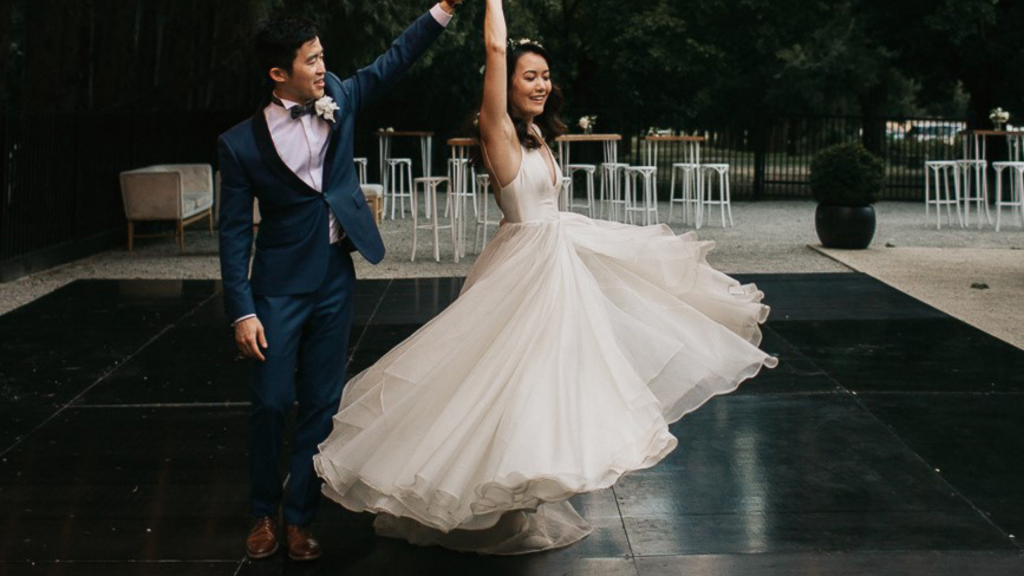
(850, 227)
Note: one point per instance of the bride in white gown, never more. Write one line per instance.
(573, 345)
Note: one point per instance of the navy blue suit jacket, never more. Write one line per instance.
(292, 248)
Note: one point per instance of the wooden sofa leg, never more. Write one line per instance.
(181, 235)
(209, 216)
(131, 234)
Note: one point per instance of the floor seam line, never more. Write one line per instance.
(369, 322)
(943, 479)
(622, 521)
(103, 376)
(903, 443)
(162, 405)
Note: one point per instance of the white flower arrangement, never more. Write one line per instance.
(998, 116)
(587, 123)
(325, 108)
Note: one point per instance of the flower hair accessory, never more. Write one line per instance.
(513, 44)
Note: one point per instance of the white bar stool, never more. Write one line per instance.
(644, 201)
(724, 202)
(461, 172)
(482, 182)
(690, 181)
(400, 182)
(611, 190)
(611, 182)
(649, 173)
(565, 194)
(430, 185)
(940, 173)
(460, 168)
(688, 198)
(570, 171)
(1016, 183)
(361, 164)
(588, 175)
(973, 172)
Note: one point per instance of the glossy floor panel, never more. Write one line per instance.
(835, 297)
(53, 349)
(967, 438)
(908, 355)
(753, 454)
(158, 568)
(118, 483)
(841, 564)
(826, 464)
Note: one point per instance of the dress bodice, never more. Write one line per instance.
(532, 195)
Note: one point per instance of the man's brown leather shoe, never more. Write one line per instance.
(262, 540)
(301, 544)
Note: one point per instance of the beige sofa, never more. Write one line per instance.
(182, 193)
(256, 218)
(374, 193)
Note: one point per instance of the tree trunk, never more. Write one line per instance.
(6, 34)
(873, 106)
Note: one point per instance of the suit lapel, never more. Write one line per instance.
(335, 134)
(265, 144)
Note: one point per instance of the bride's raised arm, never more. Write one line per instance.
(497, 133)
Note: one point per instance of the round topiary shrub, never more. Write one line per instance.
(846, 175)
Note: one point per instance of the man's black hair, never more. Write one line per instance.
(278, 39)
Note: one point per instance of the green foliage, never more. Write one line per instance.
(846, 175)
(656, 63)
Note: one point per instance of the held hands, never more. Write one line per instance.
(250, 338)
(449, 6)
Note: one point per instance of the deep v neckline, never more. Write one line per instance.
(549, 161)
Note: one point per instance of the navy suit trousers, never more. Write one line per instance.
(307, 349)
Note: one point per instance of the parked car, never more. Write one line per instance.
(945, 133)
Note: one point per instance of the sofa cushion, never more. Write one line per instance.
(193, 203)
(372, 190)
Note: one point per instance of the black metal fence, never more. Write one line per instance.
(773, 161)
(59, 173)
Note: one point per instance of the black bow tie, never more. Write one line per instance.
(297, 110)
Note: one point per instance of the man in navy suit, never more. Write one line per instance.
(294, 315)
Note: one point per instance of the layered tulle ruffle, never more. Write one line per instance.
(572, 346)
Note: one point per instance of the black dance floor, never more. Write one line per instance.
(890, 440)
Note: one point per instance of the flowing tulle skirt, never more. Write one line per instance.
(573, 345)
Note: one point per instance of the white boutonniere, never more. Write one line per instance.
(325, 108)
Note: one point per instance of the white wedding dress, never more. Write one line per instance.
(573, 345)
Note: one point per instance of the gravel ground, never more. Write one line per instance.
(771, 236)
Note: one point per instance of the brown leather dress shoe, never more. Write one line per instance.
(262, 540)
(301, 544)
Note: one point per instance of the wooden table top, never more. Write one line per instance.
(983, 132)
(404, 133)
(463, 142)
(675, 138)
(588, 137)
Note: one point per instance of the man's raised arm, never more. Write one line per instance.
(371, 82)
